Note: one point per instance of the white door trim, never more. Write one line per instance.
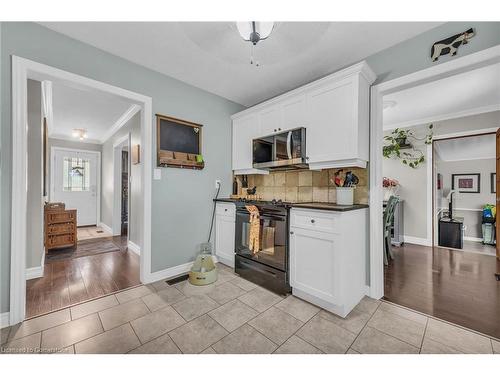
(462, 64)
(53, 149)
(116, 219)
(22, 70)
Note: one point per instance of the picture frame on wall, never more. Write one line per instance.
(466, 182)
(493, 182)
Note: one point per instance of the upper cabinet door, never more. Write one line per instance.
(270, 120)
(245, 129)
(332, 131)
(293, 112)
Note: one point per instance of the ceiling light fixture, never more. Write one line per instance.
(252, 31)
(80, 133)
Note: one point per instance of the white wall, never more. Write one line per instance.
(414, 181)
(107, 181)
(34, 208)
(468, 201)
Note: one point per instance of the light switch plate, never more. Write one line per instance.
(157, 174)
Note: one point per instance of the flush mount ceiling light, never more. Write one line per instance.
(80, 133)
(253, 31)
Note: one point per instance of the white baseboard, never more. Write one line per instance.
(105, 227)
(418, 240)
(134, 248)
(36, 272)
(4, 319)
(473, 239)
(172, 272)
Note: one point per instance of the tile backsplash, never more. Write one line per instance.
(306, 186)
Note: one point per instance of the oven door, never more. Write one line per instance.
(273, 239)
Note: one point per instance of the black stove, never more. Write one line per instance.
(268, 264)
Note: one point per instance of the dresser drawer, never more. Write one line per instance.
(225, 209)
(60, 216)
(61, 228)
(315, 220)
(60, 240)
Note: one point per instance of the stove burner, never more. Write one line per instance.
(276, 202)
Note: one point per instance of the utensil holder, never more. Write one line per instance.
(345, 196)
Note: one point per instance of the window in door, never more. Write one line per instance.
(76, 174)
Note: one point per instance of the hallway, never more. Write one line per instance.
(72, 280)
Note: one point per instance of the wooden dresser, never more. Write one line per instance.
(60, 226)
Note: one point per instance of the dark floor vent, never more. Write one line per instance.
(177, 280)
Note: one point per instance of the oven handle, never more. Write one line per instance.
(249, 265)
(270, 217)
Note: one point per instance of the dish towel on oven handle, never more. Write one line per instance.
(253, 238)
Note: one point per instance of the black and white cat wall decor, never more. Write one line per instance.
(450, 45)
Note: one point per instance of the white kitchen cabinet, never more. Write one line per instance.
(225, 221)
(245, 129)
(334, 111)
(339, 123)
(328, 257)
(270, 120)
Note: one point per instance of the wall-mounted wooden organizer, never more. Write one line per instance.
(178, 143)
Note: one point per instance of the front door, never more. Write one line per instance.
(75, 183)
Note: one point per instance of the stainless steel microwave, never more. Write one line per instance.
(286, 150)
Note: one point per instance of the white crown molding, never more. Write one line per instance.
(447, 116)
(64, 137)
(127, 115)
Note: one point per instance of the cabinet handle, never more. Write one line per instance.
(307, 157)
(279, 128)
(225, 209)
(291, 232)
(313, 221)
(275, 130)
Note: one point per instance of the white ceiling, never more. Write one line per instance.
(473, 92)
(213, 56)
(78, 107)
(468, 148)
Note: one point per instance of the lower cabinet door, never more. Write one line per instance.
(224, 239)
(312, 263)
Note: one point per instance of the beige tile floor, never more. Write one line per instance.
(88, 233)
(234, 316)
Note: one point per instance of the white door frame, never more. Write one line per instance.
(459, 65)
(53, 149)
(116, 226)
(22, 70)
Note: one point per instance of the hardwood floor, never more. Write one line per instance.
(71, 281)
(456, 286)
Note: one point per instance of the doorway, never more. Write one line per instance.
(22, 71)
(75, 180)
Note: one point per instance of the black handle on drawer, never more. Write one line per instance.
(313, 221)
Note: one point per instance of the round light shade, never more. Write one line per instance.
(245, 29)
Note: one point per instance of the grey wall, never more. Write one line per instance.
(133, 126)
(472, 219)
(414, 181)
(34, 212)
(414, 54)
(182, 199)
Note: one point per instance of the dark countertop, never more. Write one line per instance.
(311, 205)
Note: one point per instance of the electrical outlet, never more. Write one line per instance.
(217, 184)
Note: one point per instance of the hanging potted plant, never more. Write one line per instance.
(402, 144)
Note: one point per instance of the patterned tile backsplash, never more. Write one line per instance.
(306, 186)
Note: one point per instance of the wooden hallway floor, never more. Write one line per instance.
(69, 281)
(456, 286)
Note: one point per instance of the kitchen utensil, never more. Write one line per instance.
(252, 190)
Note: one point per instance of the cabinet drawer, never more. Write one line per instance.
(60, 217)
(61, 228)
(225, 209)
(315, 220)
(60, 240)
